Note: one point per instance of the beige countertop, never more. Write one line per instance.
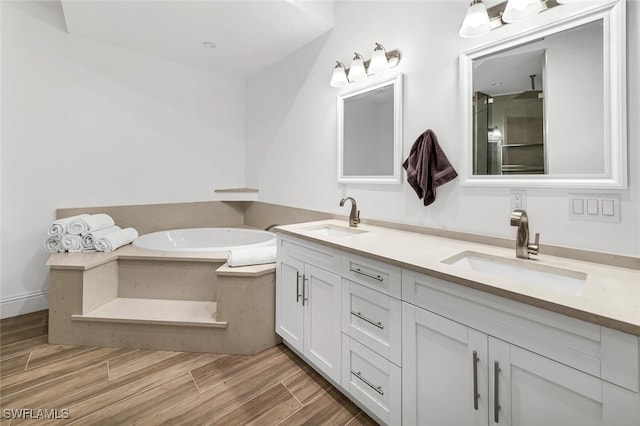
(610, 296)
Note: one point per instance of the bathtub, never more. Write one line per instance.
(204, 239)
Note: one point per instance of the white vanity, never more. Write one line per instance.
(415, 336)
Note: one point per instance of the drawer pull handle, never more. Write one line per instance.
(375, 277)
(496, 393)
(476, 395)
(368, 383)
(298, 276)
(370, 321)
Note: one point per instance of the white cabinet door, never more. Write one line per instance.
(444, 367)
(534, 390)
(321, 297)
(289, 309)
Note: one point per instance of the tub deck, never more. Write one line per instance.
(146, 299)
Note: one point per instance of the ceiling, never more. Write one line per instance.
(249, 35)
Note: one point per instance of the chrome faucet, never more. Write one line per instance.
(524, 248)
(354, 216)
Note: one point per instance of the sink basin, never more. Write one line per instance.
(522, 271)
(335, 230)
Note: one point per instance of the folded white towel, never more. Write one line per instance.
(116, 239)
(244, 256)
(89, 238)
(87, 223)
(59, 227)
(53, 245)
(71, 243)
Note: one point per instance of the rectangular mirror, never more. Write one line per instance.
(547, 108)
(370, 132)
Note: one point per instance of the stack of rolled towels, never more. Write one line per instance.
(87, 232)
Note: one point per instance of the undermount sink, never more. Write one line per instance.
(523, 271)
(335, 230)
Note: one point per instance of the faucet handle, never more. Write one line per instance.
(357, 218)
(533, 248)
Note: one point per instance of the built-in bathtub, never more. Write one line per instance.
(170, 290)
(204, 239)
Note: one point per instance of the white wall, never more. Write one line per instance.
(86, 124)
(291, 127)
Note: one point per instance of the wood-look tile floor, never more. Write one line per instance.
(84, 385)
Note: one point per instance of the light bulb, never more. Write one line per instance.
(379, 61)
(517, 10)
(339, 77)
(476, 21)
(357, 71)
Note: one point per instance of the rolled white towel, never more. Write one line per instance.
(87, 223)
(116, 239)
(244, 256)
(59, 227)
(89, 238)
(53, 245)
(71, 243)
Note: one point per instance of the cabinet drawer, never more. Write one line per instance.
(373, 274)
(372, 380)
(373, 319)
(321, 256)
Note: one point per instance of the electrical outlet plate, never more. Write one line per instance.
(517, 199)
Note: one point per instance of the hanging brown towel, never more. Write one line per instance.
(428, 167)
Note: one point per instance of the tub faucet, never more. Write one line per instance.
(354, 216)
(520, 219)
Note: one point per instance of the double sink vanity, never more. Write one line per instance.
(424, 330)
(420, 329)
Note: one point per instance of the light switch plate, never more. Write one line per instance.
(594, 207)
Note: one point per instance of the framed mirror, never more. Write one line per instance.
(548, 108)
(370, 132)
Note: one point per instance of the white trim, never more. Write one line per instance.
(615, 176)
(24, 303)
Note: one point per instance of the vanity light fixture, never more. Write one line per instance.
(476, 21)
(517, 10)
(360, 69)
(479, 20)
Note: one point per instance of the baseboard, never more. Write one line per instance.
(24, 304)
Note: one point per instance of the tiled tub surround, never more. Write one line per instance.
(394, 327)
(137, 298)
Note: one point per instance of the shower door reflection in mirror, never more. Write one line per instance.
(509, 135)
(516, 131)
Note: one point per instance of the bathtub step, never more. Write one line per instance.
(155, 311)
